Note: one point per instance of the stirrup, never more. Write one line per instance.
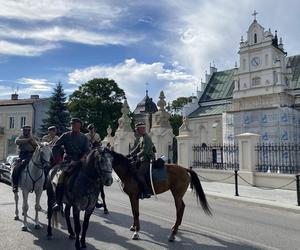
(15, 189)
(56, 207)
(145, 196)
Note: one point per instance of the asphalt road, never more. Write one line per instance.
(233, 226)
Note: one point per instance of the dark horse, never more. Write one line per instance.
(81, 193)
(178, 181)
(103, 204)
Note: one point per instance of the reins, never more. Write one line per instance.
(38, 166)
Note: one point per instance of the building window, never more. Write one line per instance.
(256, 81)
(23, 121)
(244, 64)
(11, 122)
(275, 77)
(255, 38)
(266, 59)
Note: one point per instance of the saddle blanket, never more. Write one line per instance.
(158, 174)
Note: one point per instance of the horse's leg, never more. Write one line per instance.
(103, 199)
(180, 206)
(134, 201)
(85, 226)
(38, 194)
(70, 229)
(76, 216)
(50, 195)
(25, 209)
(16, 196)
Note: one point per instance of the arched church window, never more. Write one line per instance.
(255, 38)
(256, 81)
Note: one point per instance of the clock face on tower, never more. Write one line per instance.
(255, 61)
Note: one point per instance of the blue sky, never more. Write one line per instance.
(167, 43)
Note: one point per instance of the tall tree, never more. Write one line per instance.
(58, 114)
(175, 109)
(98, 101)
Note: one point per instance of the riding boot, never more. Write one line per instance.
(145, 193)
(59, 193)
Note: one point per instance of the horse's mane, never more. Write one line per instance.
(119, 158)
(91, 157)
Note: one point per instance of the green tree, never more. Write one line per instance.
(58, 114)
(177, 104)
(175, 109)
(98, 101)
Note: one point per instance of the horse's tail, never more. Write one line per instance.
(54, 215)
(196, 185)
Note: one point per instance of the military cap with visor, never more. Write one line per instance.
(75, 120)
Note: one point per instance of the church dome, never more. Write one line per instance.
(145, 106)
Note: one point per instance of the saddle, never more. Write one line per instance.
(159, 163)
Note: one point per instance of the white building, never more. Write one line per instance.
(14, 114)
(261, 95)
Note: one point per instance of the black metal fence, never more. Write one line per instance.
(216, 156)
(278, 158)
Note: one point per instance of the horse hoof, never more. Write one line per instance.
(171, 238)
(83, 245)
(71, 237)
(135, 236)
(24, 228)
(132, 229)
(49, 237)
(37, 226)
(16, 218)
(106, 212)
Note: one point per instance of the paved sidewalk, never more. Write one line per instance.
(276, 198)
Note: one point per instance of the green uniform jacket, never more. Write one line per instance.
(144, 149)
(26, 144)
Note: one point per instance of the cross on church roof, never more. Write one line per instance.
(254, 14)
(147, 84)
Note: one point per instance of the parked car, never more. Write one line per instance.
(5, 168)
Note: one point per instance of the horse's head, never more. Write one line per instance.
(43, 154)
(103, 163)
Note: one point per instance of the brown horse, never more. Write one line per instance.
(178, 181)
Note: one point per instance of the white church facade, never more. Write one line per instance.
(261, 95)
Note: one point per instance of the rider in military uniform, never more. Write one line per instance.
(76, 146)
(26, 146)
(144, 153)
(51, 137)
(93, 137)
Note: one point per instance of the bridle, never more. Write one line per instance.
(98, 156)
(43, 162)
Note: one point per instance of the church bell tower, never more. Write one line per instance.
(263, 77)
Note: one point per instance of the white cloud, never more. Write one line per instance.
(35, 85)
(49, 10)
(203, 31)
(16, 49)
(132, 76)
(4, 90)
(57, 34)
(40, 22)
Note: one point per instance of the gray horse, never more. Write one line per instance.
(81, 193)
(32, 180)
